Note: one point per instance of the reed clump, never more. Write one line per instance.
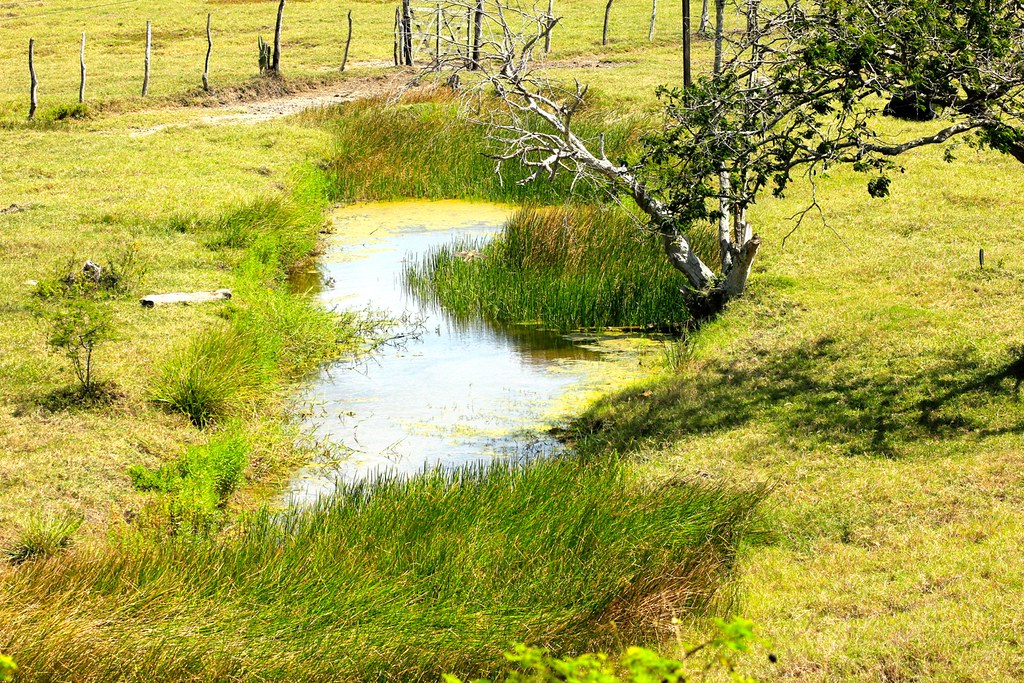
(567, 267)
(389, 579)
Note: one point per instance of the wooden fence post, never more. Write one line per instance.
(33, 102)
(81, 83)
(275, 65)
(607, 11)
(550, 18)
(407, 32)
(437, 35)
(397, 11)
(149, 47)
(478, 18)
(687, 80)
(209, 49)
(348, 41)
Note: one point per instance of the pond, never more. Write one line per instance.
(450, 392)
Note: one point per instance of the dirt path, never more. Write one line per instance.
(258, 111)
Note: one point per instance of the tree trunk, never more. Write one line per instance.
(654, 15)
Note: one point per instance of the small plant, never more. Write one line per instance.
(266, 55)
(213, 375)
(637, 664)
(42, 537)
(196, 486)
(77, 327)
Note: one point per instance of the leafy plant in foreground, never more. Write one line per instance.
(195, 487)
(7, 668)
(637, 664)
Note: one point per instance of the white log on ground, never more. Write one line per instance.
(185, 298)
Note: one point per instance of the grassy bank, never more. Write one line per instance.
(87, 191)
(564, 267)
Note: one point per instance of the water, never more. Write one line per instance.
(458, 392)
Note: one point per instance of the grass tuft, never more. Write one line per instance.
(41, 537)
(214, 374)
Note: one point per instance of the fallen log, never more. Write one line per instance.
(185, 298)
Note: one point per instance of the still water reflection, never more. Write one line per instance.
(461, 391)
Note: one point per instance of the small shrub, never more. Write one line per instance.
(42, 537)
(77, 327)
(66, 112)
(122, 274)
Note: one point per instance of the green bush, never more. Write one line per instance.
(196, 486)
(65, 112)
(119, 275)
(637, 664)
(7, 668)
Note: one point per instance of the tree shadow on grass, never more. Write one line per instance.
(844, 396)
(77, 398)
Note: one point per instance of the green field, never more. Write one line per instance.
(836, 457)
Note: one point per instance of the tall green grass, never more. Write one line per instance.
(391, 579)
(423, 149)
(566, 267)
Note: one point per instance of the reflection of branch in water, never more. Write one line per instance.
(381, 330)
(391, 453)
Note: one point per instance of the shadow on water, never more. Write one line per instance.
(459, 391)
